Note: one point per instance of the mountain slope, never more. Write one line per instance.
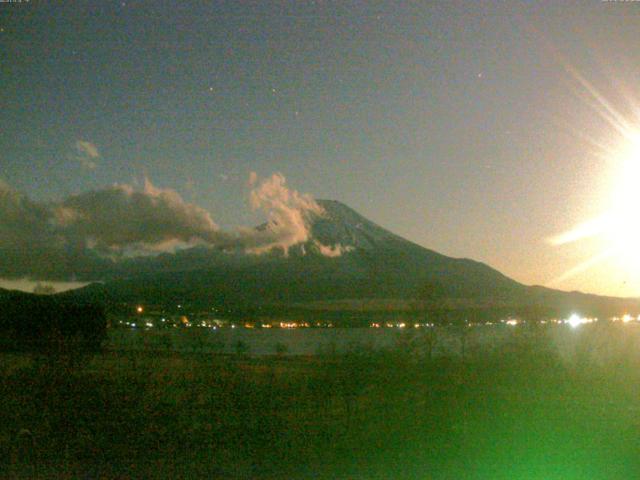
(362, 261)
(386, 256)
(374, 263)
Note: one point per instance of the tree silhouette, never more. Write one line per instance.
(48, 325)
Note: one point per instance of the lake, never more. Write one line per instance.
(603, 340)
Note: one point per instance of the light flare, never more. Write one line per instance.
(619, 226)
(584, 266)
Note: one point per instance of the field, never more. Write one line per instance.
(518, 410)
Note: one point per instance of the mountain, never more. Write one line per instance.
(386, 258)
(348, 261)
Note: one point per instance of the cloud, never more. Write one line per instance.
(22, 221)
(333, 251)
(89, 233)
(87, 154)
(287, 213)
(83, 234)
(29, 241)
(118, 218)
(87, 148)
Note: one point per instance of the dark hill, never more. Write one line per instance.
(50, 323)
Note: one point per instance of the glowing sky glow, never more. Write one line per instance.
(619, 227)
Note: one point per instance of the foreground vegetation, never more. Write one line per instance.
(518, 411)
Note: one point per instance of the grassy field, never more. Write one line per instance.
(518, 412)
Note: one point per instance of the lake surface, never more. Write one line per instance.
(603, 341)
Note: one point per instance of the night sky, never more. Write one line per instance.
(477, 129)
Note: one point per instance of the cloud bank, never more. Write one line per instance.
(89, 232)
(119, 218)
